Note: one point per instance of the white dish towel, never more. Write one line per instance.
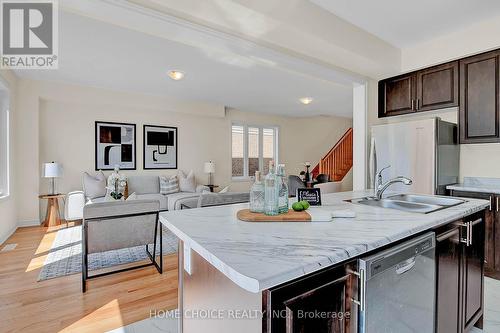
(319, 214)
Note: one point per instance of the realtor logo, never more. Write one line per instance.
(29, 34)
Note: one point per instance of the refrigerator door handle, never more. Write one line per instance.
(373, 162)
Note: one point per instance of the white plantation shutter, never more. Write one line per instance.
(252, 147)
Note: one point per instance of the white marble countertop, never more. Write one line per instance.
(258, 256)
(477, 184)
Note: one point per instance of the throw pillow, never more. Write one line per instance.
(169, 185)
(225, 189)
(187, 183)
(94, 186)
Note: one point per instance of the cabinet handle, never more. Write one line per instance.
(465, 240)
(496, 199)
(413, 104)
(448, 234)
(470, 234)
(362, 289)
(491, 204)
(418, 103)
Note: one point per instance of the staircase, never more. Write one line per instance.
(338, 161)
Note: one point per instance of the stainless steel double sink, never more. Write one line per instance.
(414, 203)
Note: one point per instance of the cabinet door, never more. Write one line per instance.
(479, 99)
(491, 224)
(320, 303)
(437, 87)
(448, 277)
(397, 95)
(473, 273)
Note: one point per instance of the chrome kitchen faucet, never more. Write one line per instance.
(380, 187)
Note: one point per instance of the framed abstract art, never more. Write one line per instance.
(114, 145)
(160, 147)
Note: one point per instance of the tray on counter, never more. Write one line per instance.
(292, 216)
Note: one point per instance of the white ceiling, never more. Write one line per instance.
(405, 23)
(103, 55)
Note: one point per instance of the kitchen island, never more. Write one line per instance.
(230, 267)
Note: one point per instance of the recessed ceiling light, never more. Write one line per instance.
(306, 100)
(176, 75)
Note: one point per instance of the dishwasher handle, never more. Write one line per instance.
(361, 301)
(406, 265)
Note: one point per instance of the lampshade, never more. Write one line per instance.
(52, 170)
(209, 167)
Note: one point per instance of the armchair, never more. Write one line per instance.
(73, 207)
(116, 225)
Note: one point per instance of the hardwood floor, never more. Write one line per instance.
(58, 305)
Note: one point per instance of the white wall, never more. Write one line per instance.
(60, 119)
(476, 160)
(8, 213)
(479, 37)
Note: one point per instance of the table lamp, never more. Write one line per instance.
(210, 169)
(52, 170)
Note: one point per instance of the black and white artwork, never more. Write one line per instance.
(114, 145)
(160, 147)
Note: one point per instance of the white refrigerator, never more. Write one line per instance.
(426, 151)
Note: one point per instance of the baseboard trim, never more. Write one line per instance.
(32, 223)
(10, 233)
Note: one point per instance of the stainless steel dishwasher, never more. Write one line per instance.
(398, 290)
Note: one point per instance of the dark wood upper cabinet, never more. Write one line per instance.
(437, 87)
(479, 99)
(397, 95)
(424, 90)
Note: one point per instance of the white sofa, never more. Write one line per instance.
(148, 188)
(145, 188)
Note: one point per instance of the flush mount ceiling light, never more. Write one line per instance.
(306, 100)
(176, 75)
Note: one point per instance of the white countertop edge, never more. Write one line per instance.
(277, 280)
(245, 282)
(472, 188)
(255, 286)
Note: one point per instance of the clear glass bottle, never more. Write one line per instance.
(257, 195)
(271, 191)
(282, 190)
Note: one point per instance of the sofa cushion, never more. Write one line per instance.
(169, 184)
(162, 199)
(225, 189)
(132, 196)
(187, 183)
(218, 199)
(144, 184)
(176, 199)
(95, 200)
(202, 188)
(94, 186)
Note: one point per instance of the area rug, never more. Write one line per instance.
(65, 255)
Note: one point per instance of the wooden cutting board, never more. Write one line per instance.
(292, 216)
